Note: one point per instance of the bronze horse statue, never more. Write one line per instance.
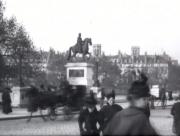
(85, 49)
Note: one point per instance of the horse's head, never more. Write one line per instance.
(88, 40)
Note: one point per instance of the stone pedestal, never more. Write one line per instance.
(80, 74)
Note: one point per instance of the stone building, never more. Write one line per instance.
(155, 66)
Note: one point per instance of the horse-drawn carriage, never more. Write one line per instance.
(70, 97)
(57, 102)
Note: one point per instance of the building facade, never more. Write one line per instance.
(155, 66)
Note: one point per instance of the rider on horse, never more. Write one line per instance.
(81, 47)
(79, 42)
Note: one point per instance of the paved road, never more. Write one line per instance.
(38, 127)
(161, 120)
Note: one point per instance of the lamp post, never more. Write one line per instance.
(21, 54)
(97, 53)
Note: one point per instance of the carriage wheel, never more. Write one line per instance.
(52, 113)
(67, 113)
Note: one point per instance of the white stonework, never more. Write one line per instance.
(80, 73)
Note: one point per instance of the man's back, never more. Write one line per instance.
(130, 121)
(176, 109)
(107, 113)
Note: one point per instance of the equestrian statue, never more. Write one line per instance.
(81, 47)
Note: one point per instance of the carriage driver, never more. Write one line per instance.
(79, 42)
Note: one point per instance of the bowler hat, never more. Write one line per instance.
(139, 88)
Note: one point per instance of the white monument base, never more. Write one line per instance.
(80, 74)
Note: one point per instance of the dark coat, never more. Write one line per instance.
(33, 99)
(130, 121)
(107, 112)
(90, 121)
(175, 111)
(6, 102)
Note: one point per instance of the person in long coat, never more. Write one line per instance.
(133, 120)
(6, 101)
(175, 111)
(109, 110)
(89, 118)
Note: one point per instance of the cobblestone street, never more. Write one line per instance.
(161, 120)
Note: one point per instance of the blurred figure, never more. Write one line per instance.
(170, 97)
(109, 110)
(6, 101)
(42, 88)
(101, 96)
(89, 118)
(134, 119)
(163, 97)
(175, 111)
(49, 89)
(32, 99)
(152, 99)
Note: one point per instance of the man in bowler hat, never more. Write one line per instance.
(133, 120)
(89, 117)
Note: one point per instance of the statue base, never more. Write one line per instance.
(80, 73)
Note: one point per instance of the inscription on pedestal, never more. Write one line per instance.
(76, 73)
(80, 74)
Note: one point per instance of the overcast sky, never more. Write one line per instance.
(154, 25)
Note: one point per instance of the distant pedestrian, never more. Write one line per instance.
(134, 119)
(49, 88)
(6, 101)
(89, 118)
(101, 96)
(42, 88)
(175, 111)
(109, 110)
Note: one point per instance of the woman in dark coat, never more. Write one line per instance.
(108, 111)
(88, 118)
(6, 101)
(134, 119)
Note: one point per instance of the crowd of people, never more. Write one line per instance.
(111, 118)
